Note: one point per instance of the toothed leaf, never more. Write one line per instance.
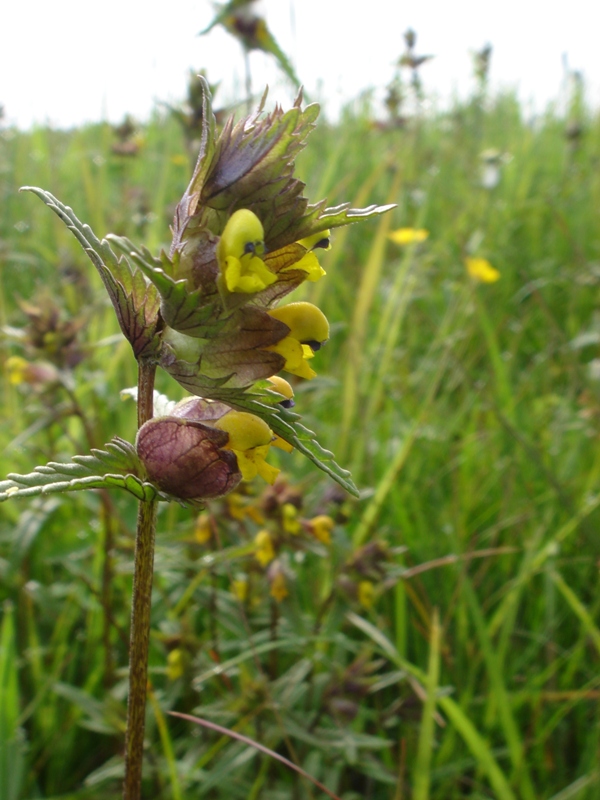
(117, 466)
(135, 300)
(285, 423)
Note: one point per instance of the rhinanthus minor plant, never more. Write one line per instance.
(208, 313)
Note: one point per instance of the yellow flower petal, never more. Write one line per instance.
(282, 444)
(248, 274)
(409, 235)
(267, 472)
(281, 386)
(295, 359)
(246, 464)
(245, 430)
(309, 263)
(306, 322)
(481, 270)
(239, 251)
(249, 438)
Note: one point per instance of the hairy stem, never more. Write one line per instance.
(140, 612)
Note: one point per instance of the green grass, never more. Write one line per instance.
(470, 416)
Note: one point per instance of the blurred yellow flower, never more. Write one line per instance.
(366, 594)
(238, 508)
(481, 270)
(263, 548)
(278, 588)
(20, 371)
(408, 235)
(321, 527)
(180, 160)
(175, 664)
(239, 587)
(203, 529)
(289, 514)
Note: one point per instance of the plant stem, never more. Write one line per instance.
(140, 612)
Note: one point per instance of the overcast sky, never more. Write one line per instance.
(67, 62)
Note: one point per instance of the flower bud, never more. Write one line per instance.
(282, 387)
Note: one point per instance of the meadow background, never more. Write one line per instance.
(445, 643)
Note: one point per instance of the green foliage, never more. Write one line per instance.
(469, 415)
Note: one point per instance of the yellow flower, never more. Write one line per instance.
(249, 438)
(320, 239)
(481, 270)
(180, 160)
(321, 527)
(366, 594)
(278, 588)
(175, 664)
(289, 514)
(20, 371)
(309, 330)
(239, 587)
(236, 507)
(409, 235)
(17, 369)
(239, 251)
(282, 387)
(296, 357)
(309, 263)
(263, 548)
(203, 528)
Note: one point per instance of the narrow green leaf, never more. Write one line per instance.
(505, 712)
(422, 770)
(578, 608)
(474, 741)
(12, 744)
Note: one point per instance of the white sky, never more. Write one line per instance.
(68, 61)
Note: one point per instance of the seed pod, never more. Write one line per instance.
(185, 458)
